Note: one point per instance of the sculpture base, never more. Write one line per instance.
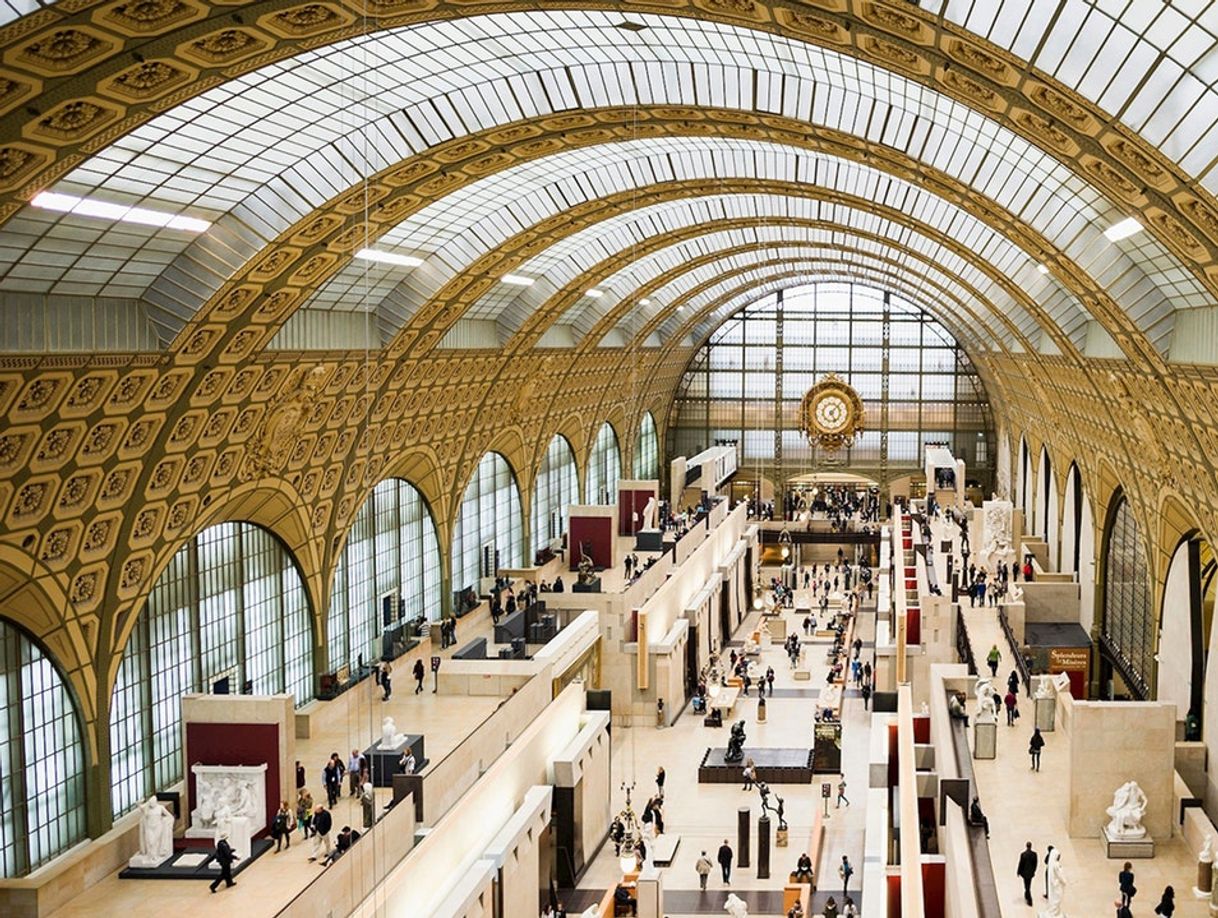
(1127, 849)
(985, 740)
(1046, 709)
(649, 540)
(196, 864)
(780, 838)
(146, 862)
(592, 586)
(383, 763)
(774, 766)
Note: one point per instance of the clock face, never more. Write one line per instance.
(832, 413)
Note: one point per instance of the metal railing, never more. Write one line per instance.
(1021, 665)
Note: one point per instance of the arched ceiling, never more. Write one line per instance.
(263, 147)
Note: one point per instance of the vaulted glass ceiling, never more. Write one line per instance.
(262, 151)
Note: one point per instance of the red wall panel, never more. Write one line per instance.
(597, 532)
(237, 744)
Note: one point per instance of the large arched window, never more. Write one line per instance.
(391, 556)
(647, 450)
(554, 490)
(42, 759)
(490, 528)
(1128, 624)
(604, 468)
(230, 605)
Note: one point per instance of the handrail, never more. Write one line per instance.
(964, 646)
(1021, 664)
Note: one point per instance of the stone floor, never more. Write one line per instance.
(704, 815)
(270, 882)
(1026, 806)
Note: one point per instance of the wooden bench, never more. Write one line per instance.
(816, 839)
(604, 908)
(797, 892)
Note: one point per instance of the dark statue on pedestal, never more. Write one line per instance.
(735, 743)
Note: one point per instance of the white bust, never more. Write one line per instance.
(390, 738)
(736, 907)
(1042, 687)
(1128, 808)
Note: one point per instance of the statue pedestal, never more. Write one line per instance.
(239, 834)
(1205, 880)
(780, 838)
(1046, 709)
(985, 740)
(649, 540)
(1127, 849)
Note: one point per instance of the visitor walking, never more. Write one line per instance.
(1167, 903)
(1125, 883)
(418, 676)
(304, 811)
(841, 793)
(845, 871)
(660, 776)
(224, 857)
(1027, 871)
(750, 775)
(323, 822)
(993, 658)
(1012, 705)
(386, 679)
(703, 869)
(725, 861)
(281, 827)
(1036, 744)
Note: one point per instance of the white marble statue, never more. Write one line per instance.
(1128, 808)
(390, 738)
(1056, 881)
(229, 798)
(649, 514)
(1042, 687)
(1207, 851)
(156, 835)
(984, 692)
(736, 907)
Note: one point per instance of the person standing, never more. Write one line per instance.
(660, 775)
(1035, 744)
(769, 678)
(300, 776)
(1027, 871)
(304, 811)
(407, 762)
(841, 793)
(1125, 882)
(866, 696)
(418, 676)
(355, 765)
(332, 777)
(1013, 682)
(224, 857)
(323, 822)
(367, 800)
(1167, 903)
(703, 868)
(386, 679)
(845, 871)
(993, 658)
(1011, 703)
(281, 826)
(750, 775)
(725, 861)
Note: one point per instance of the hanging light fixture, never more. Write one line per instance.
(627, 856)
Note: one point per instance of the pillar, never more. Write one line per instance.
(763, 848)
(742, 837)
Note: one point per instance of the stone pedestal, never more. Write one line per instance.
(985, 740)
(1205, 879)
(650, 892)
(239, 833)
(763, 848)
(742, 837)
(649, 540)
(1127, 849)
(780, 838)
(1046, 709)
(383, 762)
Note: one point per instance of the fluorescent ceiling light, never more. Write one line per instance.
(596, 294)
(517, 280)
(1123, 230)
(389, 258)
(644, 302)
(104, 210)
(1043, 269)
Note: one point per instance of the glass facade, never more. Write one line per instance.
(555, 489)
(604, 468)
(647, 450)
(42, 759)
(1129, 625)
(733, 390)
(231, 604)
(490, 528)
(392, 549)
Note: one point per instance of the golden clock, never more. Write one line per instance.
(831, 414)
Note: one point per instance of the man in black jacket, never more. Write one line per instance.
(323, 822)
(725, 861)
(224, 857)
(1027, 870)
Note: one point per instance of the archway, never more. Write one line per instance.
(1128, 628)
(42, 757)
(647, 450)
(1046, 507)
(231, 606)
(604, 468)
(489, 533)
(555, 489)
(1185, 634)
